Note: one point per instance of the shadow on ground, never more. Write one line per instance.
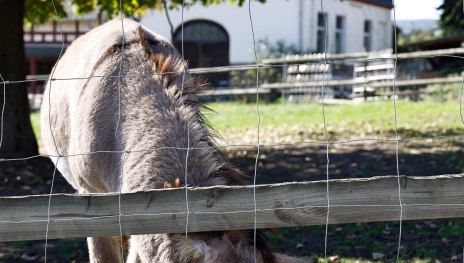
(428, 240)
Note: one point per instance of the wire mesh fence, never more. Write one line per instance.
(256, 207)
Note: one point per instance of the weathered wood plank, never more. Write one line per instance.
(233, 91)
(417, 82)
(227, 208)
(359, 81)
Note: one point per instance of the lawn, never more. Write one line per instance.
(35, 121)
(284, 123)
(237, 123)
(376, 115)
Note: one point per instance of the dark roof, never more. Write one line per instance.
(381, 3)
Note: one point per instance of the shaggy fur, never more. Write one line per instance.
(158, 107)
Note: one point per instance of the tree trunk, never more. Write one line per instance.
(18, 137)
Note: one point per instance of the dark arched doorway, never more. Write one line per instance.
(206, 44)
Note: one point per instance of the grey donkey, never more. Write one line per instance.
(152, 107)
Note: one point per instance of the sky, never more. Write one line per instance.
(417, 9)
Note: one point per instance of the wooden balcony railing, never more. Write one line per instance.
(52, 36)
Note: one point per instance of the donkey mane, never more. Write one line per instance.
(170, 70)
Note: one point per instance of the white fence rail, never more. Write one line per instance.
(313, 86)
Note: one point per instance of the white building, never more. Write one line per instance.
(221, 34)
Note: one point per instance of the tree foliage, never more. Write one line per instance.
(19, 140)
(452, 17)
(39, 11)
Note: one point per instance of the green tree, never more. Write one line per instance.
(18, 137)
(452, 17)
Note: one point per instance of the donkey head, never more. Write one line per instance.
(228, 246)
(212, 247)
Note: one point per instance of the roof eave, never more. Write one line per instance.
(374, 4)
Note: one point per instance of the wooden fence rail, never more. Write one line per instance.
(228, 208)
(267, 87)
(376, 84)
(364, 55)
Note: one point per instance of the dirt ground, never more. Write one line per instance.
(429, 240)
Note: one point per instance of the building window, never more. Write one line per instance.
(340, 34)
(321, 32)
(367, 43)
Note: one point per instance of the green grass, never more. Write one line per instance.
(35, 121)
(413, 118)
(378, 114)
(362, 119)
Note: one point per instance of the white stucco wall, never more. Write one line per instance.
(280, 20)
(267, 22)
(355, 13)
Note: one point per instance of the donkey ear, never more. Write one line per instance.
(192, 249)
(231, 174)
(199, 247)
